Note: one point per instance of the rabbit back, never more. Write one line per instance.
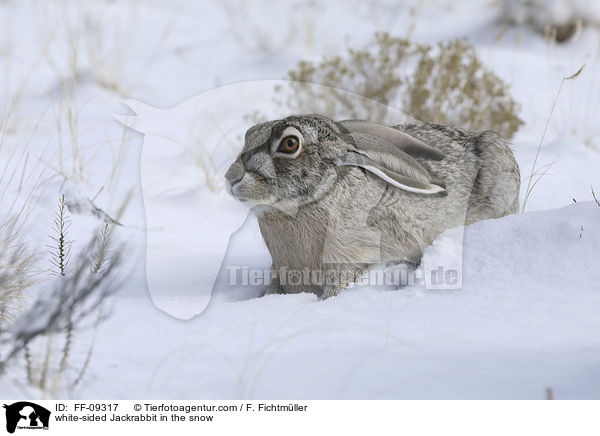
(485, 158)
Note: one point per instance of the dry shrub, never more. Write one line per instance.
(45, 333)
(558, 20)
(446, 84)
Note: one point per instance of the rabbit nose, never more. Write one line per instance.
(235, 173)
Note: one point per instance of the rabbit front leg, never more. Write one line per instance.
(340, 277)
(329, 291)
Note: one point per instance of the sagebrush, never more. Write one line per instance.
(446, 84)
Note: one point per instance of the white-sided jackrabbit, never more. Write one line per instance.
(337, 197)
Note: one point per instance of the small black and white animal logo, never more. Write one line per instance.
(26, 415)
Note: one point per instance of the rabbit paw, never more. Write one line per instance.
(271, 290)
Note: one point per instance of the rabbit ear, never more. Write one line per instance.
(397, 138)
(391, 164)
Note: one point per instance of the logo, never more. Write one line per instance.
(199, 139)
(26, 415)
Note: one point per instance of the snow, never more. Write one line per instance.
(521, 322)
(525, 318)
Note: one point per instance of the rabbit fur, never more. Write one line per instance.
(354, 194)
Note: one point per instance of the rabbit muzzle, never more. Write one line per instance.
(234, 175)
(246, 185)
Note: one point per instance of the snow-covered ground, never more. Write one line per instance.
(526, 318)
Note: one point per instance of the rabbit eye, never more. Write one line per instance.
(289, 145)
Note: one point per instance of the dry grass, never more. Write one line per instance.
(445, 84)
(97, 40)
(209, 169)
(558, 22)
(21, 187)
(595, 198)
(50, 330)
(253, 32)
(531, 182)
(43, 325)
(579, 111)
(16, 272)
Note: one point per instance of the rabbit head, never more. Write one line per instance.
(299, 159)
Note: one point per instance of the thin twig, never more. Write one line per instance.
(594, 195)
(537, 155)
